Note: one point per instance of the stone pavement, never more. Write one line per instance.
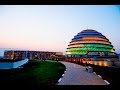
(77, 75)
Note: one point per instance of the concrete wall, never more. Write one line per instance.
(10, 65)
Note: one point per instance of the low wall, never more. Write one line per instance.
(100, 63)
(9, 65)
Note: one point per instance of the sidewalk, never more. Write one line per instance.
(77, 75)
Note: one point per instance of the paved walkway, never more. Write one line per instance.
(77, 75)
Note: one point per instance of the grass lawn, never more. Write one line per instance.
(34, 73)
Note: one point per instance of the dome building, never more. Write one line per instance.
(92, 47)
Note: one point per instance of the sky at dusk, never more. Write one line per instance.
(51, 27)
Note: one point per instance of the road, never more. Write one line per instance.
(77, 75)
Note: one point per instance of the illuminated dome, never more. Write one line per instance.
(90, 42)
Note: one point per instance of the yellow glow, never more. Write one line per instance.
(88, 62)
(95, 62)
(91, 62)
(59, 53)
(12, 55)
(84, 61)
(105, 63)
(100, 63)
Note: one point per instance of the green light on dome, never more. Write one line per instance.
(81, 53)
(89, 49)
(97, 45)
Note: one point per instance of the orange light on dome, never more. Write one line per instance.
(94, 38)
(80, 45)
(77, 42)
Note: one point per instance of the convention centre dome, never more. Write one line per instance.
(90, 42)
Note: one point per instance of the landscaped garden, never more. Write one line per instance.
(33, 74)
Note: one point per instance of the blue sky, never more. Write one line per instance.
(51, 27)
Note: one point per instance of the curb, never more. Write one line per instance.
(101, 78)
(106, 81)
(59, 79)
(94, 72)
(62, 76)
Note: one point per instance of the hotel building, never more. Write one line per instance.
(31, 55)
